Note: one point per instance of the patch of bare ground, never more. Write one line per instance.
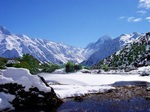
(123, 93)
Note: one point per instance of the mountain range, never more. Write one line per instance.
(14, 46)
(106, 46)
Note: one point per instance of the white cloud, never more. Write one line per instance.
(142, 12)
(122, 17)
(133, 19)
(148, 18)
(144, 4)
(130, 19)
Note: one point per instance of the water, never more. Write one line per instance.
(94, 105)
(132, 83)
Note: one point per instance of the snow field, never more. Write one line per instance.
(77, 84)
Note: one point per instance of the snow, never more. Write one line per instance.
(59, 71)
(102, 49)
(23, 77)
(73, 90)
(20, 76)
(12, 45)
(76, 84)
(4, 101)
(66, 85)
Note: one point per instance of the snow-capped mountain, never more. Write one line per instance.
(106, 46)
(13, 46)
(135, 54)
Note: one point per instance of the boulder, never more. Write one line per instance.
(24, 91)
(145, 74)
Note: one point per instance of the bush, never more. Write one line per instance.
(29, 62)
(71, 67)
(3, 62)
(77, 67)
(49, 67)
(2, 65)
(105, 67)
(87, 67)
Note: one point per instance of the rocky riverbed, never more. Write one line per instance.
(124, 98)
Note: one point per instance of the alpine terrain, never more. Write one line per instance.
(13, 46)
(106, 46)
(135, 54)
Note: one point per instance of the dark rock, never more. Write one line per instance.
(86, 71)
(148, 34)
(148, 89)
(78, 99)
(110, 90)
(43, 81)
(34, 98)
(99, 71)
(144, 74)
(147, 97)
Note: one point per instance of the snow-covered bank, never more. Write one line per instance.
(16, 87)
(75, 84)
(23, 77)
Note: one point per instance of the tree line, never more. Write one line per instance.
(34, 66)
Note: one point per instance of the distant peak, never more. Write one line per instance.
(4, 30)
(135, 33)
(104, 38)
(123, 35)
(20, 35)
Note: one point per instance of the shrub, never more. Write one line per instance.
(77, 67)
(87, 67)
(3, 62)
(49, 67)
(2, 65)
(69, 67)
(104, 67)
(29, 62)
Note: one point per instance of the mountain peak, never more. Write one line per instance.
(4, 30)
(104, 38)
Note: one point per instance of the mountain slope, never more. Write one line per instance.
(134, 54)
(106, 46)
(12, 46)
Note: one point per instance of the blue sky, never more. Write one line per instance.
(75, 22)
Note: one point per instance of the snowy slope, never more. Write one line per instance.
(135, 54)
(106, 46)
(12, 46)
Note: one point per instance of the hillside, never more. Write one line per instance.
(106, 46)
(14, 46)
(135, 54)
